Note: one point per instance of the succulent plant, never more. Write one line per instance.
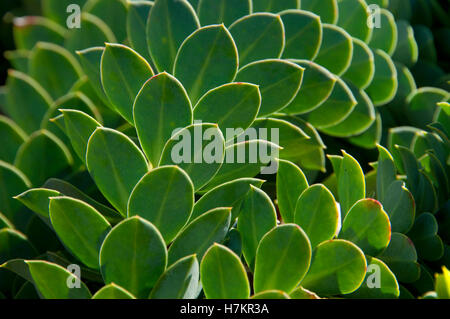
(96, 114)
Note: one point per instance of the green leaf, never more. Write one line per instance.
(443, 284)
(11, 137)
(258, 36)
(112, 291)
(123, 72)
(386, 172)
(316, 88)
(200, 234)
(18, 59)
(271, 294)
(401, 257)
(222, 274)
(112, 12)
(52, 9)
(317, 214)
(353, 17)
(384, 85)
(14, 244)
(230, 194)
(26, 101)
(359, 120)
(407, 51)
(335, 109)
(336, 50)
(424, 235)
(133, 255)
(337, 267)
(179, 281)
(256, 218)
(302, 293)
(138, 12)
(362, 68)
(199, 159)
(42, 156)
(367, 225)
(95, 32)
(232, 106)
(116, 165)
(400, 207)
(79, 127)
(282, 259)
(279, 82)
(275, 5)
(379, 283)
(169, 23)
(385, 37)
(4, 222)
(291, 182)
(244, 159)
(38, 200)
(27, 31)
(47, 61)
(207, 59)
(223, 11)
(80, 227)
(326, 9)
(171, 201)
(371, 137)
(303, 31)
(161, 106)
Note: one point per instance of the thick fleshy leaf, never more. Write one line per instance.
(27, 31)
(200, 234)
(362, 68)
(11, 137)
(26, 101)
(232, 106)
(169, 23)
(291, 182)
(424, 235)
(112, 12)
(80, 227)
(207, 59)
(164, 197)
(443, 284)
(401, 257)
(317, 85)
(138, 12)
(407, 51)
(245, 159)
(14, 245)
(38, 165)
(271, 294)
(282, 259)
(367, 225)
(123, 73)
(336, 50)
(4, 222)
(161, 107)
(222, 11)
(303, 31)
(179, 281)
(52, 9)
(371, 137)
(79, 128)
(337, 267)
(335, 109)
(94, 33)
(384, 84)
(358, 121)
(316, 212)
(12, 182)
(386, 172)
(256, 218)
(38, 200)
(199, 159)
(116, 165)
(353, 17)
(279, 82)
(275, 5)
(326, 9)
(222, 274)
(133, 255)
(230, 194)
(385, 37)
(258, 36)
(380, 282)
(399, 204)
(112, 291)
(18, 59)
